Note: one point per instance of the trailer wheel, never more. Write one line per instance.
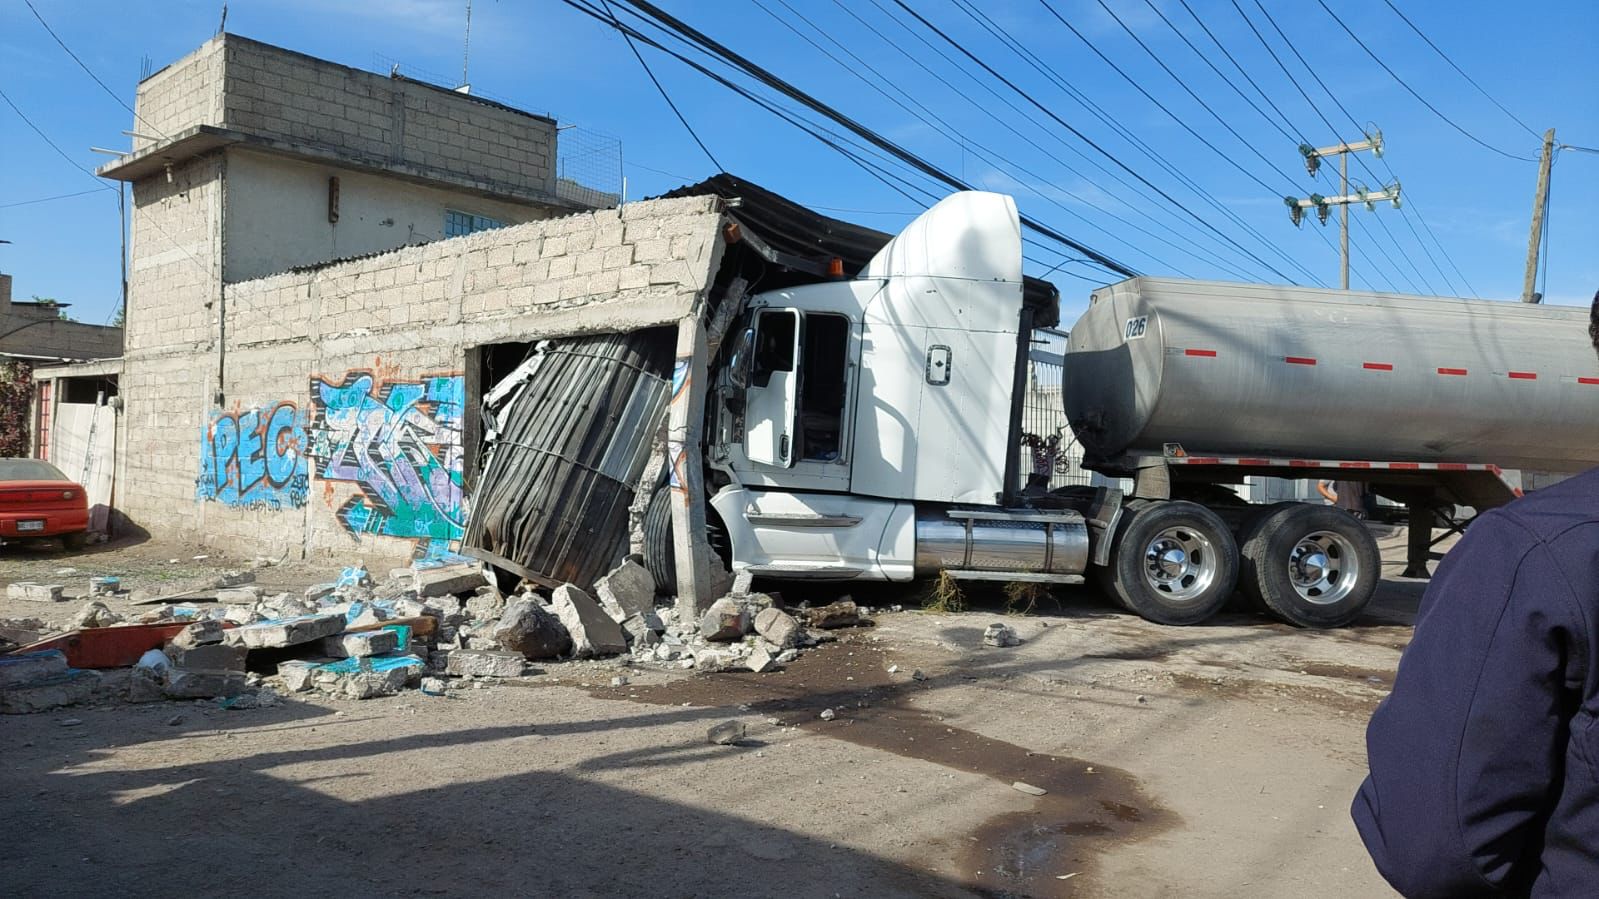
(659, 558)
(1249, 538)
(1312, 566)
(1175, 563)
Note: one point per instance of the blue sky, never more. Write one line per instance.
(1463, 229)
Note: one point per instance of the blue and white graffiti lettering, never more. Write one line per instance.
(254, 458)
(400, 443)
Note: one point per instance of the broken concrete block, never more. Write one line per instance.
(641, 631)
(778, 627)
(22, 669)
(593, 632)
(95, 614)
(528, 628)
(714, 660)
(146, 684)
(1000, 635)
(483, 663)
(298, 674)
(725, 734)
(241, 615)
(200, 633)
(240, 596)
(449, 579)
(405, 607)
(364, 678)
(72, 687)
(32, 592)
(209, 657)
(484, 605)
(186, 684)
(726, 620)
(625, 591)
(843, 613)
(760, 660)
(285, 631)
(743, 581)
(360, 644)
(231, 579)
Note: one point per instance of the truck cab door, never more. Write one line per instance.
(771, 397)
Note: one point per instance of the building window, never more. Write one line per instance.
(457, 223)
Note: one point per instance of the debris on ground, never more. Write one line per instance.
(1028, 788)
(726, 734)
(843, 613)
(1000, 635)
(31, 592)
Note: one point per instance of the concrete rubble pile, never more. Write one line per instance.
(439, 628)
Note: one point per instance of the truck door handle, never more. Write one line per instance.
(782, 448)
(939, 363)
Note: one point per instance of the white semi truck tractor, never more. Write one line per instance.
(866, 429)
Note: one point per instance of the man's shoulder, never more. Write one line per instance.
(1555, 511)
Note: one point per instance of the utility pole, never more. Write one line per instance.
(1539, 201)
(1323, 205)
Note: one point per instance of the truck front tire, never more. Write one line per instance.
(659, 557)
(1175, 563)
(1311, 566)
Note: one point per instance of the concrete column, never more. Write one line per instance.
(685, 450)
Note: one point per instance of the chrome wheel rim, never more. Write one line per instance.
(1180, 564)
(1323, 568)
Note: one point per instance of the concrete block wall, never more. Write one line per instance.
(426, 131)
(180, 96)
(357, 366)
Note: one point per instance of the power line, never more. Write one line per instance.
(1196, 250)
(1317, 109)
(109, 92)
(664, 95)
(1457, 68)
(80, 193)
(1404, 212)
(1402, 83)
(1083, 137)
(770, 80)
(1241, 70)
(1197, 99)
(46, 138)
(1226, 211)
(979, 149)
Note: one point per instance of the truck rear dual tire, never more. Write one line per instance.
(660, 560)
(1174, 563)
(1311, 566)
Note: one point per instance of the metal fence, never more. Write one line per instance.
(1050, 455)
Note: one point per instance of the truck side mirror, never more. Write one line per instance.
(738, 364)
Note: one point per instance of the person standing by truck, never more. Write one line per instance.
(1484, 761)
(1347, 495)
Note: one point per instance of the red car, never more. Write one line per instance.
(37, 500)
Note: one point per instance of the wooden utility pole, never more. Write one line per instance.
(1540, 201)
(1323, 205)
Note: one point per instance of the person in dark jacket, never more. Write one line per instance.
(1484, 760)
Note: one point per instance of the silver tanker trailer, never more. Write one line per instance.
(1189, 386)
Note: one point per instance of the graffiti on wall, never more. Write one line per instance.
(399, 442)
(254, 458)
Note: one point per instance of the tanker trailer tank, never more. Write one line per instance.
(1246, 369)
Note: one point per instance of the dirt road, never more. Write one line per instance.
(1211, 761)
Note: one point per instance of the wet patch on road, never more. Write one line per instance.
(1048, 847)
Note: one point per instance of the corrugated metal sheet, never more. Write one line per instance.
(567, 437)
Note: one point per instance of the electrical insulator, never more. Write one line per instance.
(1322, 212)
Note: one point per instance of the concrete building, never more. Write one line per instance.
(34, 331)
(326, 263)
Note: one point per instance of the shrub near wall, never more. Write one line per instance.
(16, 401)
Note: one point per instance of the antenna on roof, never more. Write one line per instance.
(466, 52)
(222, 25)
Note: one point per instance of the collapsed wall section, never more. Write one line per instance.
(344, 387)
